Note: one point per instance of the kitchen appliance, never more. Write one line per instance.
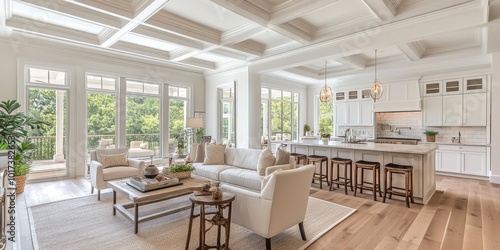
(390, 140)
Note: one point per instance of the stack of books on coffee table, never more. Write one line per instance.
(145, 184)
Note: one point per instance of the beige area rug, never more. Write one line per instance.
(85, 223)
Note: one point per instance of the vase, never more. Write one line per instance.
(150, 171)
(20, 183)
(325, 140)
(431, 138)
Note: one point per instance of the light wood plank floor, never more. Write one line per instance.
(462, 214)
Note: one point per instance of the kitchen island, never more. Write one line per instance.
(421, 157)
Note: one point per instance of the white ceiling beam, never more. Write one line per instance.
(250, 47)
(200, 63)
(307, 72)
(182, 53)
(142, 16)
(141, 50)
(463, 16)
(413, 50)
(50, 30)
(241, 33)
(298, 30)
(384, 10)
(168, 37)
(355, 61)
(290, 10)
(230, 54)
(116, 10)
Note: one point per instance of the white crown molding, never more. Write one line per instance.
(307, 72)
(241, 33)
(355, 61)
(295, 31)
(253, 11)
(382, 10)
(249, 46)
(200, 63)
(223, 52)
(162, 35)
(141, 50)
(180, 54)
(185, 27)
(345, 28)
(227, 72)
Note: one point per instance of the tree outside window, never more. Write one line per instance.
(326, 117)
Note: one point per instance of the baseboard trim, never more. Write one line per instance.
(495, 179)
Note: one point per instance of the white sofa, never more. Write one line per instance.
(239, 170)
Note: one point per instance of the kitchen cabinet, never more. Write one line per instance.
(452, 110)
(356, 110)
(452, 86)
(475, 84)
(366, 113)
(433, 111)
(432, 88)
(474, 109)
(467, 160)
(340, 113)
(353, 113)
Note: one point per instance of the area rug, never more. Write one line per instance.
(85, 223)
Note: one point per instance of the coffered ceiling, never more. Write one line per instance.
(289, 39)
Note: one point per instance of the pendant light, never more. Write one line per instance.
(376, 90)
(325, 94)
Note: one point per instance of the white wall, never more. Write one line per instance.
(77, 62)
(495, 118)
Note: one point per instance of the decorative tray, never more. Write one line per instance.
(145, 184)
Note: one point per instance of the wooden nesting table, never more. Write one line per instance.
(138, 198)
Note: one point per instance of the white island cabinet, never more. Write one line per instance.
(421, 157)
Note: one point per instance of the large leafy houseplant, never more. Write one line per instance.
(14, 129)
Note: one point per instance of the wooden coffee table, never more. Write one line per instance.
(139, 198)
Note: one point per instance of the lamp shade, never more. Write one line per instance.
(194, 122)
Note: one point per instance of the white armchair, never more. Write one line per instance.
(100, 175)
(281, 204)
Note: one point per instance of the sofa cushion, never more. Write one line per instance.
(246, 158)
(114, 160)
(119, 172)
(242, 177)
(282, 157)
(266, 159)
(192, 153)
(200, 152)
(109, 151)
(210, 171)
(214, 154)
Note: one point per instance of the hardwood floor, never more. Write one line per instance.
(462, 214)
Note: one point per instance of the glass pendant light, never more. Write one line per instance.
(376, 90)
(325, 94)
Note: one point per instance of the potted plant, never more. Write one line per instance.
(181, 142)
(430, 135)
(14, 135)
(325, 137)
(307, 128)
(180, 171)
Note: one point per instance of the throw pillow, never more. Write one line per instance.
(266, 159)
(114, 160)
(282, 157)
(192, 153)
(214, 154)
(200, 152)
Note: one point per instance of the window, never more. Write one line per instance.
(46, 76)
(178, 110)
(279, 115)
(326, 117)
(142, 88)
(100, 82)
(228, 116)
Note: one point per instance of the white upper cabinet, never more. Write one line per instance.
(366, 113)
(452, 87)
(474, 106)
(341, 113)
(475, 84)
(433, 111)
(340, 96)
(352, 95)
(432, 88)
(353, 115)
(452, 110)
(365, 94)
(353, 108)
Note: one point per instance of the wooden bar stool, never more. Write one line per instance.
(374, 185)
(347, 179)
(319, 176)
(299, 157)
(405, 170)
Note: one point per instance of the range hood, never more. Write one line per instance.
(399, 97)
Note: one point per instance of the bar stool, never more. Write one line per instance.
(299, 157)
(375, 168)
(405, 170)
(341, 180)
(320, 177)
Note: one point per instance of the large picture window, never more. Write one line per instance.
(326, 123)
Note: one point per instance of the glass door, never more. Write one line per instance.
(49, 157)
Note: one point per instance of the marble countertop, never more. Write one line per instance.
(457, 144)
(393, 148)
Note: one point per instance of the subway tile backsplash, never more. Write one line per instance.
(409, 125)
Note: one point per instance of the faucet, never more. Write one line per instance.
(459, 135)
(347, 134)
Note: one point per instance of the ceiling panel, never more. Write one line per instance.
(337, 13)
(148, 42)
(452, 39)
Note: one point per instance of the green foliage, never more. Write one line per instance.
(307, 128)
(16, 125)
(325, 135)
(326, 117)
(430, 132)
(176, 168)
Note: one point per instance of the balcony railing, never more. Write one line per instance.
(45, 145)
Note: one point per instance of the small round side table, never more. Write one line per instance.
(225, 201)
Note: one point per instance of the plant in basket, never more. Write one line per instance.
(180, 171)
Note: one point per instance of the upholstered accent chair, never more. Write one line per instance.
(109, 164)
(281, 204)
